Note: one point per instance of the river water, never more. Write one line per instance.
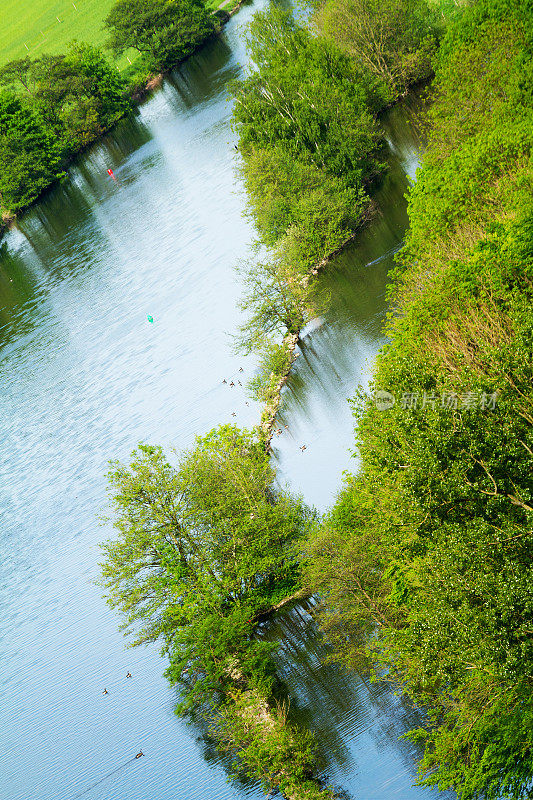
(85, 376)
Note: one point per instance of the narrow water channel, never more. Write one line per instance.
(85, 376)
(338, 350)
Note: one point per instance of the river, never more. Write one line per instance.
(85, 376)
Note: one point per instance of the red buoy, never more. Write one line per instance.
(111, 174)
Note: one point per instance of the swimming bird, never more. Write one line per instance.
(139, 754)
(128, 675)
(105, 691)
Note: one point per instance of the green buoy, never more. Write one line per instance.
(150, 319)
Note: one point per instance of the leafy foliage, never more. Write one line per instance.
(202, 549)
(310, 145)
(395, 40)
(53, 106)
(163, 31)
(30, 156)
(307, 98)
(429, 549)
(266, 747)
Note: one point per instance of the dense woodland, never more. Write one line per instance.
(423, 566)
(429, 548)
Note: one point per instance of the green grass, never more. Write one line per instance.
(31, 27)
(227, 5)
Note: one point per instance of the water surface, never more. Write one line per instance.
(338, 350)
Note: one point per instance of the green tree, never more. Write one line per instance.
(306, 97)
(30, 155)
(79, 94)
(394, 39)
(19, 72)
(287, 191)
(202, 548)
(105, 86)
(163, 31)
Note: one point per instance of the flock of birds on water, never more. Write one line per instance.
(232, 384)
(277, 431)
(128, 675)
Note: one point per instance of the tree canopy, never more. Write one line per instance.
(395, 40)
(30, 156)
(52, 107)
(429, 548)
(163, 31)
(306, 96)
(202, 548)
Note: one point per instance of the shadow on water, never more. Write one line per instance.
(81, 190)
(206, 76)
(337, 350)
(357, 724)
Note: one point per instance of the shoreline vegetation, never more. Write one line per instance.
(219, 532)
(54, 107)
(424, 561)
(312, 148)
(272, 396)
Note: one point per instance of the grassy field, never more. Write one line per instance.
(32, 27)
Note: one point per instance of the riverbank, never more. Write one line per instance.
(306, 211)
(428, 547)
(272, 750)
(307, 195)
(37, 185)
(289, 345)
(250, 726)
